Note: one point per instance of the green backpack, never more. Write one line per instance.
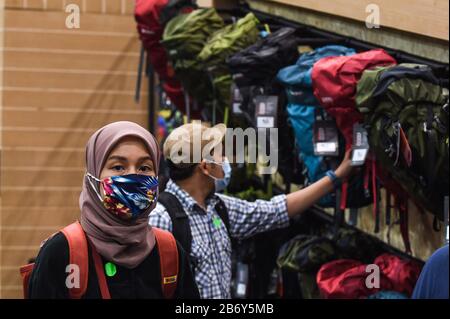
(220, 46)
(184, 38)
(406, 112)
(305, 253)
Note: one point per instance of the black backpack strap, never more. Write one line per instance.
(222, 211)
(181, 229)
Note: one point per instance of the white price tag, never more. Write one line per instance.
(241, 289)
(237, 108)
(262, 108)
(359, 155)
(326, 147)
(266, 121)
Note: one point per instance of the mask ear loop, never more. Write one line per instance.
(89, 176)
(214, 162)
(222, 165)
(207, 160)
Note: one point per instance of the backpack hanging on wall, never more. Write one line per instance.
(334, 81)
(151, 17)
(406, 112)
(303, 109)
(258, 64)
(219, 47)
(184, 38)
(254, 72)
(255, 68)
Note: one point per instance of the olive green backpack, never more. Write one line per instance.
(184, 38)
(406, 112)
(198, 45)
(220, 46)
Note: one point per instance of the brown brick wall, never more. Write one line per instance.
(111, 7)
(58, 86)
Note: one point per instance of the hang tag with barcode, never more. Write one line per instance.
(360, 147)
(236, 99)
(266, 110)
(326, 139)
(241, 284)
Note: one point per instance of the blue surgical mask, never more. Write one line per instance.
(222, 183)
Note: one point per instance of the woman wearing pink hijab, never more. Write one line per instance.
(120, 189)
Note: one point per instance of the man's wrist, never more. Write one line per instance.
(334, 177)
(338, 173)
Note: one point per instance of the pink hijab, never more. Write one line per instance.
(126, 243)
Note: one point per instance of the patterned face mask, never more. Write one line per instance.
(127, 196)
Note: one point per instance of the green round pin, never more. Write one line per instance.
(110, 269)
(217, 221)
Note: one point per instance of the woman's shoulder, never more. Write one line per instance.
(49, 272)
(55, 247)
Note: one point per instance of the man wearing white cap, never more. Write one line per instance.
(203, 220)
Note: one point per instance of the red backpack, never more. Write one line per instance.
(346, 278)
(335, 82)
(402, 273)
(78, 252)
(151, 17)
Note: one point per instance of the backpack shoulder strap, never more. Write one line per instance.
(25, 273)
(102, 283)
(78, 255)
(78, 252)
(180, 221)
(169, 263)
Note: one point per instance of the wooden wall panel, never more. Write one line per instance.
(49, 59)
(111, 7)
(47, 216)
(2, 17)
(58, 87)
(69, 99)
(50, 117)
(65, 79)
(14, 156)
(426, 17)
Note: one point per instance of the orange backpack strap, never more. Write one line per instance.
(102, 283)
(78, 252)
(78, 255)
(25, 272)
(169, 264)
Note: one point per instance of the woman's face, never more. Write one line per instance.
(129, 156)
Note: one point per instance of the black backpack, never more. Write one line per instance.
(254, 71)
(259, 64)
(181, 229)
